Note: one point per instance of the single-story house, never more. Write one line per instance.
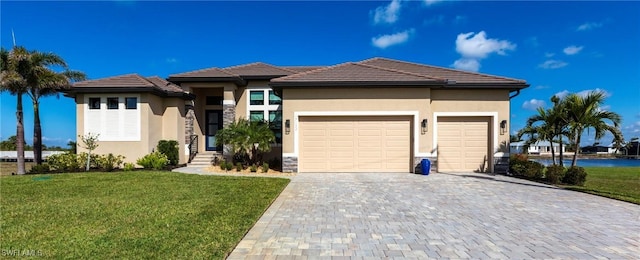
(379, 114)
(598, 149)
(540, 147)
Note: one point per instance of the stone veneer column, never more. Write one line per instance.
(188, 122)
(289, 164)
(228, 115)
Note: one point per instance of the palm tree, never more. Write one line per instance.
(585, 113)
(11, 80)
(247, 137)
(560, 123)
(540, 127)
(39, 81)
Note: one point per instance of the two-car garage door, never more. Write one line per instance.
(355, 144)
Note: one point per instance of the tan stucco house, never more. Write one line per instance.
(376, 115)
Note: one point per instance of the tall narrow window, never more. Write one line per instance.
(264, 105)
(112, 103)
(275, 124)
(94, 103)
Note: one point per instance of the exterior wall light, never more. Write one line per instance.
(287, 126)
(424, 125)
(503, 127)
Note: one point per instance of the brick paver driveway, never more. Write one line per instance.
(439, 216)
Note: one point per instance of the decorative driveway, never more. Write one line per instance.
(439, 216)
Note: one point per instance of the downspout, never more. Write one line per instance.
(517, 93)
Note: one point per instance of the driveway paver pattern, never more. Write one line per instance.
(439, 216)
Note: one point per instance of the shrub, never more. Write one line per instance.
(229, 166)
(155, 160)
(108, 162)
(40, 168)
(238, 166)
(129, 167)
(534, 170)
(575, 176)
(554, 174)
(170, 149)
(65, 162)
(265, 167)
(223, 165)
(253, 168)
(518, 164)
(82, 160)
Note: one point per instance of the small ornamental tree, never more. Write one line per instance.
(90, 142)
(247, 137)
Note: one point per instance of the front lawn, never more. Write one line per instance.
(622, 183)
(159, 215)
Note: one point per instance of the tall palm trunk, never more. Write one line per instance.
(561, 153)
(575, 154)
(20, 135)
(553, 153)
(37, 134)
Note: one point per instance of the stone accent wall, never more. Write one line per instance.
(418, 169)
(188, 123)
(228, 114)
(289, 164)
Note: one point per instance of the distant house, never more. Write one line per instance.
(598, 149)
(540, 147)
(375, 115)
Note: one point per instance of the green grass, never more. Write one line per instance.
(6, 168)
(622, 183)
(159, 215)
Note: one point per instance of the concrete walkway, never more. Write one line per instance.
(440, 216)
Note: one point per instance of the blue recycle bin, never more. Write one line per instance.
(425, 166)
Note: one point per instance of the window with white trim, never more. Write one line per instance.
(264, 105)
(114, 118)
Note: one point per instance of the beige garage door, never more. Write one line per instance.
(463, 144)
(354, 144)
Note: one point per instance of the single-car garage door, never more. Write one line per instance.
(463, 144)
(354, 144)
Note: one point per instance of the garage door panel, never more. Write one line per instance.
(355, 144)
(463, 143)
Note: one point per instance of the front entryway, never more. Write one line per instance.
(213, 123)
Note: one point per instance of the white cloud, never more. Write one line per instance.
(467, 64)
(584, 93)
(562, 94)
(533, 104)
(605, 108)
(432, 2)
(475, 47)
(572, 50)
(588, 26)
(553, 64)
(549, 54)
(384, 41)
(387, 14)
(472, 45)
(541, 87)
(459, 19)
(171, 60)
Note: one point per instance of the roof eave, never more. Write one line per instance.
(89, 90)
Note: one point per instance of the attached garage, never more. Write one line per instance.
(463, 144)
(355, 144)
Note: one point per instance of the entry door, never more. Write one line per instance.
(213, 123)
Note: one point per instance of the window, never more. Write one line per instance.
(273, 99)
(94, 103)
(131, 102)
(214, 101)
(275, 123)
(264, 105)
(256, 97)
(256, 116)
(112, 103)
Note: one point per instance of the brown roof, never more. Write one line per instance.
(358, 73)
(382, 71)
(258, 69)
(299, 69)
(205, 73)
(458, 76)
(129, 83)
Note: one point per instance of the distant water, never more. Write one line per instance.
(596, 162)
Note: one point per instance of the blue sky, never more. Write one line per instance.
(558, 47)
